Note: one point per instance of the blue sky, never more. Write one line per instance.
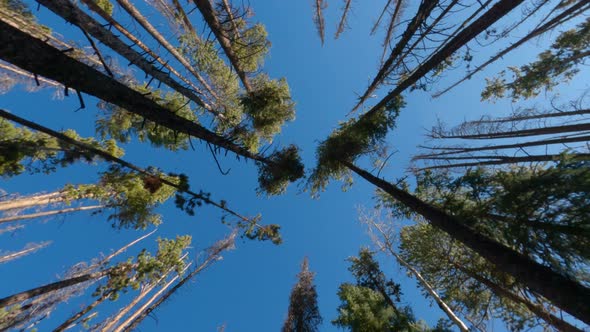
(248, 290)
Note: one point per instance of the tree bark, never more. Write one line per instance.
(536, 309)
(500, 160)
(561, 290)
(33, 55)
(131, 10)
(580, 127)
(208, 13)
(30, 201)
(75, 16)
(28, 294)
(49, 213)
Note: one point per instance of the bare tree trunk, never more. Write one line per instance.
(342, 23)
(388, 246)
(426, 7)
(131, 10)
(562, 291)
(95, 8)
(452, 151)
(31, 201)
(70, 322)
(213, 255)
(75, 16)
(208, 13)
(536, 309)
(580, 127)
(49, 213)
(29, 294)
(499, 160)
(31, 248)
(33, 55)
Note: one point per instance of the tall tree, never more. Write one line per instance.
(304, 314)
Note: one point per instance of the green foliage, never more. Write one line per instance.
(284, 166)
(444, 262)
(554, 66)
(251, 46)
(18, 7)
(132, 197)
(121, 125)
(269, 105)
(146, 269)
(304, 314)
(105, 5)
(25, 151)
(351, 140)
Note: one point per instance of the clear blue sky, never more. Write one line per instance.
(248, 290)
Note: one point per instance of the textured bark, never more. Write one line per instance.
(108, 157)
(451, 150)
(95, 8)
(31, 201)
(536, 309)
(33, 55)
(75, 16)
(208, 13)
(562, 291)
(28, 294)
(131, 10)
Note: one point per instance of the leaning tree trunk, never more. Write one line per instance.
(562, 291)
(75, 16)
(208, 13)
(15, 255)
(49, 213)
(33, 55)
(580, 127)
(500, 160)
(31, 201)
(536, 309)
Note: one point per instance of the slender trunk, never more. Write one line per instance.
(95, 8)
(28, 294)
(499, 10)
(451, 151)
(516, 118)
(536, 309)
(318, 19)
(230, 15)
(113, 159)
(75, 16)
(208, 13)
(49, 213)
(26, 74)
(383, 11)
(426, 7)
(342, 23)
(12, 256)
(31, 201)
(214, 254)
(559, 19)
(144, 292)
(561, 290)
(33, 55)
(523, 132)
(70, 322)
(185, 20)
(131, 10)
(500, 160)
(429, 289)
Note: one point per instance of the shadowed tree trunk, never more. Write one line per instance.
(75, 16)
(580, 127)
(562, 291)
(499, 160)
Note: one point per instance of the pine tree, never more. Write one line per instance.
(303, 314)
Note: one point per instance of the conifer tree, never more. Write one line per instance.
(303, 314)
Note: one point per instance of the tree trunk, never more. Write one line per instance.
(31, 201)
(500, 160)
(536, 309)
(580, 127)
(75, 16)
(49, 213)
(208, 13)
(131, 10)
(29, 294)
(429, 289)
(342, 23)
(562, 291)
(451, 150)
(33, 55)
(12, 256)
(69, 323)
(426, 7)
